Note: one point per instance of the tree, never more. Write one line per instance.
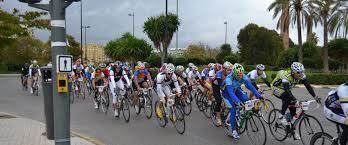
(282, 7)
(128, 48)
(339, 50)
(325, 8)
(259, 45)
(339, 22)
(194, 51)
(155, 30)
(225, 50)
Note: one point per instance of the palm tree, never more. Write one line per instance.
(154, 28)
(300, 9)
(282, 7)
(326, 9)
(309, 21)
(339, 22)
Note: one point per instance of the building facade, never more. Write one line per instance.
(94, 53)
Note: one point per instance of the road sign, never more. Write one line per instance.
(64, 63)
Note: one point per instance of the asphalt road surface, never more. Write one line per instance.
(140, 130)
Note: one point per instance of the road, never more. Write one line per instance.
(139, 131)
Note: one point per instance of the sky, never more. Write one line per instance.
(202, 21)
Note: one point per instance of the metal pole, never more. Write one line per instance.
(225, 32)
(133, 24)
(61, 101)
(81, 30)
(85, 43)
(165, 33)
(177, 32)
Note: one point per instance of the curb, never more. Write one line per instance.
(72, 132)
(314, 86)
(10, 75)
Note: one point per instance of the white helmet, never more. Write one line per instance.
(34, 62)
(195, 68)
(180, 68)
(260, 67)
(191, 64)
(297, 67)
(227, 65)
(342, 90)
(141, 66)
(170, 68)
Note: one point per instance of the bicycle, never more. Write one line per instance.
(185, 102)
(302, 120)
(263, 107)
(172, 110)
(247, 121)
(145, 102)
(324, 138)
(24, 82)
(79, 89)
(123, 103)
(103, 98)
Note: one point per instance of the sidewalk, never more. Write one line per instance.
(21, 131)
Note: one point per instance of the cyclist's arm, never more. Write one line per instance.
(176, 83)
(30, 71)
(250, 86)
(127, 79)
(232, 95)
(287, 91)
(344, 105)
(159, 86)
(266, 82)
(308, 87)
(112, 79)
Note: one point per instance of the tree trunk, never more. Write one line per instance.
(162, 55)
(325, 48)
(310, 29)
(299, 36)
(285, 27)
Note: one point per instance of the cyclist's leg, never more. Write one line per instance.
(232, 111)
(344, 136)
(218, 99)
(286, 101)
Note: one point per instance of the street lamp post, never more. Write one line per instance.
(86, 27)
(132, 15)
(225, 32)
(81, 31)
(177, 32)
(165, 33)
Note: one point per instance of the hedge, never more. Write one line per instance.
(319, 78)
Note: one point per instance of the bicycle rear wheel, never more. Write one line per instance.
(208, 110)
(308, 126)
(125, 110)
(256, 131)
(72, 97)
(277, 129)
(322, 138)
(104, 104)
(187, 107)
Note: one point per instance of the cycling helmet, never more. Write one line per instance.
(138, 63)
(170, 68)
(210, 65)
(342, 90)
(180, 68)
(34, 62)
(147, 65)
(102, 65)
(194, 68)
(213, 66)
(141, 66)
(126, 64)
(238, 69)
(90, 65)
(191, 64)
(297, 67)
(260, 67)
(227, 65)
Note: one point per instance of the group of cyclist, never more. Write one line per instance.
(29, 74)
(220, 82)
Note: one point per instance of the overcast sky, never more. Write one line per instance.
(201, 20)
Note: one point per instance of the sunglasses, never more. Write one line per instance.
(169, 74)
(300, 72)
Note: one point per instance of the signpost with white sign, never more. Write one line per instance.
(64, 63)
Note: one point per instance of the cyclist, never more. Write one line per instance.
(283, 84)
(217, 83)
(141, 79)
(163, 88)
(189, 68)
(336, 109)
(98, 79)
(34, 72)
(180, 74)
(88, 71)
(194, 77)
(117, 77)
(256, 74)
(24, 74)
(235, 95)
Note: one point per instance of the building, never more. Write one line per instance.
(95, 53)
(176, 51)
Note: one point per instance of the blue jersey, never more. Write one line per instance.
(141, 75)
(232, 84)
(220, 75)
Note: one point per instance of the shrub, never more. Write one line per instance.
(180, 61)
(154, 60)
(233, 58)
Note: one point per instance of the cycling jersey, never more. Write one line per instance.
(254, 76)
(336, 104)
(141, 75)
(34, 69)
(220, 78)
(163, 88)
(192, 75)
(205, 73)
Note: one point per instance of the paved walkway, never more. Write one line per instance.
(21, 131)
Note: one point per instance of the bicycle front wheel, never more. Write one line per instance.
(148, 107)
(160, 114)
(308, 126)
(322, 138)
(265, 107)
(178, 118)
(256, 131)
(125, 110)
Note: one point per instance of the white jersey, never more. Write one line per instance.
(78, 66)
(163, 82)
(336, 104)
(192, 75)
(254, 76)
(187, 70)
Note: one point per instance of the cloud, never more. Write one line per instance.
(201, 20)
